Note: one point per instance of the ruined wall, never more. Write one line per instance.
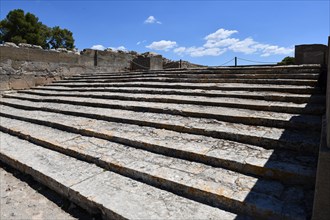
(28, 67)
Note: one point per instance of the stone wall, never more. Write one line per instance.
(27, 67)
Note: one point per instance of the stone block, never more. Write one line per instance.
(311, 54)
(22, 82)
(43, 80)
(156, 63)
(148, 63)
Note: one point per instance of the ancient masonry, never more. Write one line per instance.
(226, 143)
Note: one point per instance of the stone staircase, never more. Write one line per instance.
(228, 143)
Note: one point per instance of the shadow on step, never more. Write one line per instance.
(63, 203)
(295, 198)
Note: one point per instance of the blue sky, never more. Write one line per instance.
(203, 32)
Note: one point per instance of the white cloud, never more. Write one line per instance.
(122, 48)
(271, 50)
(215, 44)
(199, 51)
(250, 46)
(220, 34)
(202, 51)
(101, 47)
(98, 47)
(152, 20)
(244, 46)
(221, 41)
(179, 50)
(162, 45)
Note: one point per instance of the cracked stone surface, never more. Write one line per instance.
(134, 77)
(199, 100)
(130, 199)
(263, 95)
(266, 136)
(205, 144)
(197, 91)
(308, 82)
(245, 115)
(211, 85)
(196, 144)
(230, 185)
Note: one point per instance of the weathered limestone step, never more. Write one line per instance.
(206, 86)
(270, 138)
(268, 96)
(200, 75)
(217, 186)
(245, 116)
(97, 190)
(305, 82)
(191, 74)
(229, 70)
(286, 166)
(284, 107)
(23, 198)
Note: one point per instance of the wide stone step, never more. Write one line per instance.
(305, 82)
(285, 107)
(24, 198)
(287, 166)
(271, 138)
(245, 116)
(214, 186)
(198, 76)
(205, 86)
(284, 70)
(98, 190)
(267, 96)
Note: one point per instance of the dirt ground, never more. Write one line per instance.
(23, 198)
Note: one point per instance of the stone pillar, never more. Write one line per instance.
(321, 208)
(311, 54)
(328, 94)
(148, 63)
(156, 62)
